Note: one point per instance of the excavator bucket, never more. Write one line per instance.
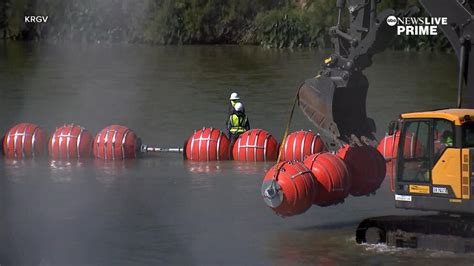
(315, 98)
(337, 112)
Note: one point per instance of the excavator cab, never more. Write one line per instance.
(433, 167)
(433, 172)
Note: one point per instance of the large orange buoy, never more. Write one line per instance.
(301, 143)
(332, 177)
(366, 167)
(388, 146)
(24, 140)
(255, 145)
(115, 142)
(207, 144)
(292, 190)
(69, 142)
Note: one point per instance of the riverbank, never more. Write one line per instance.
(269, 23)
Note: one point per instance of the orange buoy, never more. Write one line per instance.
(292, 191)
(69, 142)
(301, 143)
(24, 140)
(366, 167)
(388, 146)
(115, 142)
(207, 144)
(332, 177)
(255, 145)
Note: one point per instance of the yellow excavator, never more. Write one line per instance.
(433, 172)
(434, 168)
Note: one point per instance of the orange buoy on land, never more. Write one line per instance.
(115, 142)
(69, 142)
(332, 177)
(255, 145)
(24, 140)
(366, 167)
(301, 143)
(207, 144)
(292, 191)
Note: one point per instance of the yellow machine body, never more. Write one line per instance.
(435, 164)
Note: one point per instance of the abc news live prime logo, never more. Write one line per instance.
(417, 25)
(36, 19)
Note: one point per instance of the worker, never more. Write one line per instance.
(238, 122)
(447, 138)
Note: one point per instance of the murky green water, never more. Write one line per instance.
(161, 209)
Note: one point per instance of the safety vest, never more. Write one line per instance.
(237, 123)
(448, 141)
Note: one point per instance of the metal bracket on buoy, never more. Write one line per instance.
(271, 192)
(146, 148)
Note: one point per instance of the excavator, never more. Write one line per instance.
(434, 168)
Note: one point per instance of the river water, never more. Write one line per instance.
(160, 209)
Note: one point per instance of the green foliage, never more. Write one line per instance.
(296, 27)
(271, 23)
(282, 28)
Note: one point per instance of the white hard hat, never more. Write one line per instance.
(239, 107)
(234, 96)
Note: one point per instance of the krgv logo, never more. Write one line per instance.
(417, 25)
(36, 19)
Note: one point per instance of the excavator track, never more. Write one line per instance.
(434, 232)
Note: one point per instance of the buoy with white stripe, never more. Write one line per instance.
(255, 145)
(207, 144)
(300, 144)
(24, 140)
(70, 142)
(116, 142)
(288, 188)
(332, 177)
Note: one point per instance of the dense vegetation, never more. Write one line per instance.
(271, 23)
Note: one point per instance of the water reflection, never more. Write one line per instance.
(251, 168)
(23, 171)
(67, 171)
(229, 167)
(203, 167)
(108, 172)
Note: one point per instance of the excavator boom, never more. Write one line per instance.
(335, 100)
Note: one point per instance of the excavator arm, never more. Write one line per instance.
(335, 100)
(460, 34)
